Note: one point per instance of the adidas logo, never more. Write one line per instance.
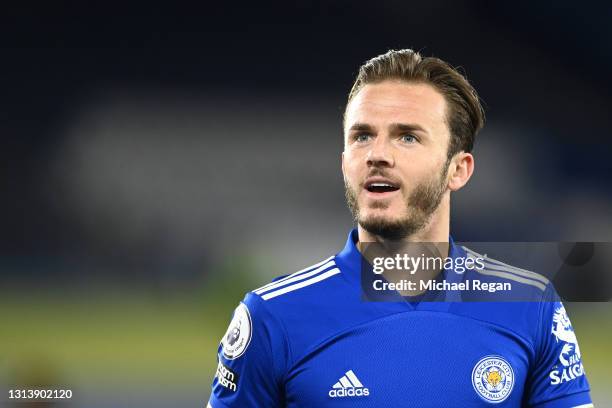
(349, 386)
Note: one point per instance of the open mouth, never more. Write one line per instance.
(380, 187)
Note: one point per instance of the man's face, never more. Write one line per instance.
(395, 156)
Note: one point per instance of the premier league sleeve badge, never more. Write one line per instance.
(238, 335)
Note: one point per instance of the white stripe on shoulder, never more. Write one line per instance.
(500, 266)
(208, 405)
(309, 268)
(585, 406)
(508, 275)
(536, 277)
(301, 284)
(278, 284)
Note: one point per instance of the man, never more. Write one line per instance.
(311, 340)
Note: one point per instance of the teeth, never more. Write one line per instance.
(380, 185)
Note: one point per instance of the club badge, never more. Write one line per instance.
(493, 379)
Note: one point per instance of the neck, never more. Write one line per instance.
(435, 231)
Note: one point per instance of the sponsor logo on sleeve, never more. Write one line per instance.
(570, 365)
(226, 377)
(238, 334)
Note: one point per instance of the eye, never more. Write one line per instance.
(408, 138)
(361, 137)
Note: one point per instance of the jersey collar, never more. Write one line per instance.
(350, 261)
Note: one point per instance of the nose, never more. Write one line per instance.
(380, 153)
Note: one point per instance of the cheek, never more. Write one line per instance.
(417, 171)
(413, 173)
(352, 168)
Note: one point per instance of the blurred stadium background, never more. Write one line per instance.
(159, 162)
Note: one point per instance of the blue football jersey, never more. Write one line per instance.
(310, 340)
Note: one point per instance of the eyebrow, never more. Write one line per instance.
(403, 127)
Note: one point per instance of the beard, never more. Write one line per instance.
(420, 205)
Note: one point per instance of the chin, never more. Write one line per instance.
(381, 218)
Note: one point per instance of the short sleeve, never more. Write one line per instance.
(558, 378)
(251, 359)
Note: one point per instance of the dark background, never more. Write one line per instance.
(161, 160)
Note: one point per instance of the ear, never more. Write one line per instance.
(460, 170)
(342, 164)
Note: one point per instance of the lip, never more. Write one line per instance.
(379, 196)
(379, 179)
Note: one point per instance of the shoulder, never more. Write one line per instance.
(526, 285)
(522, 306)
(314, 288)
(294, 309)
(301, 285)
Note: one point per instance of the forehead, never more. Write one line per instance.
(398, 102)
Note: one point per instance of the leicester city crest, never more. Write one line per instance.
(238, 335)
(493, 378)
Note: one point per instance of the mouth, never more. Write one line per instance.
(380, 187)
